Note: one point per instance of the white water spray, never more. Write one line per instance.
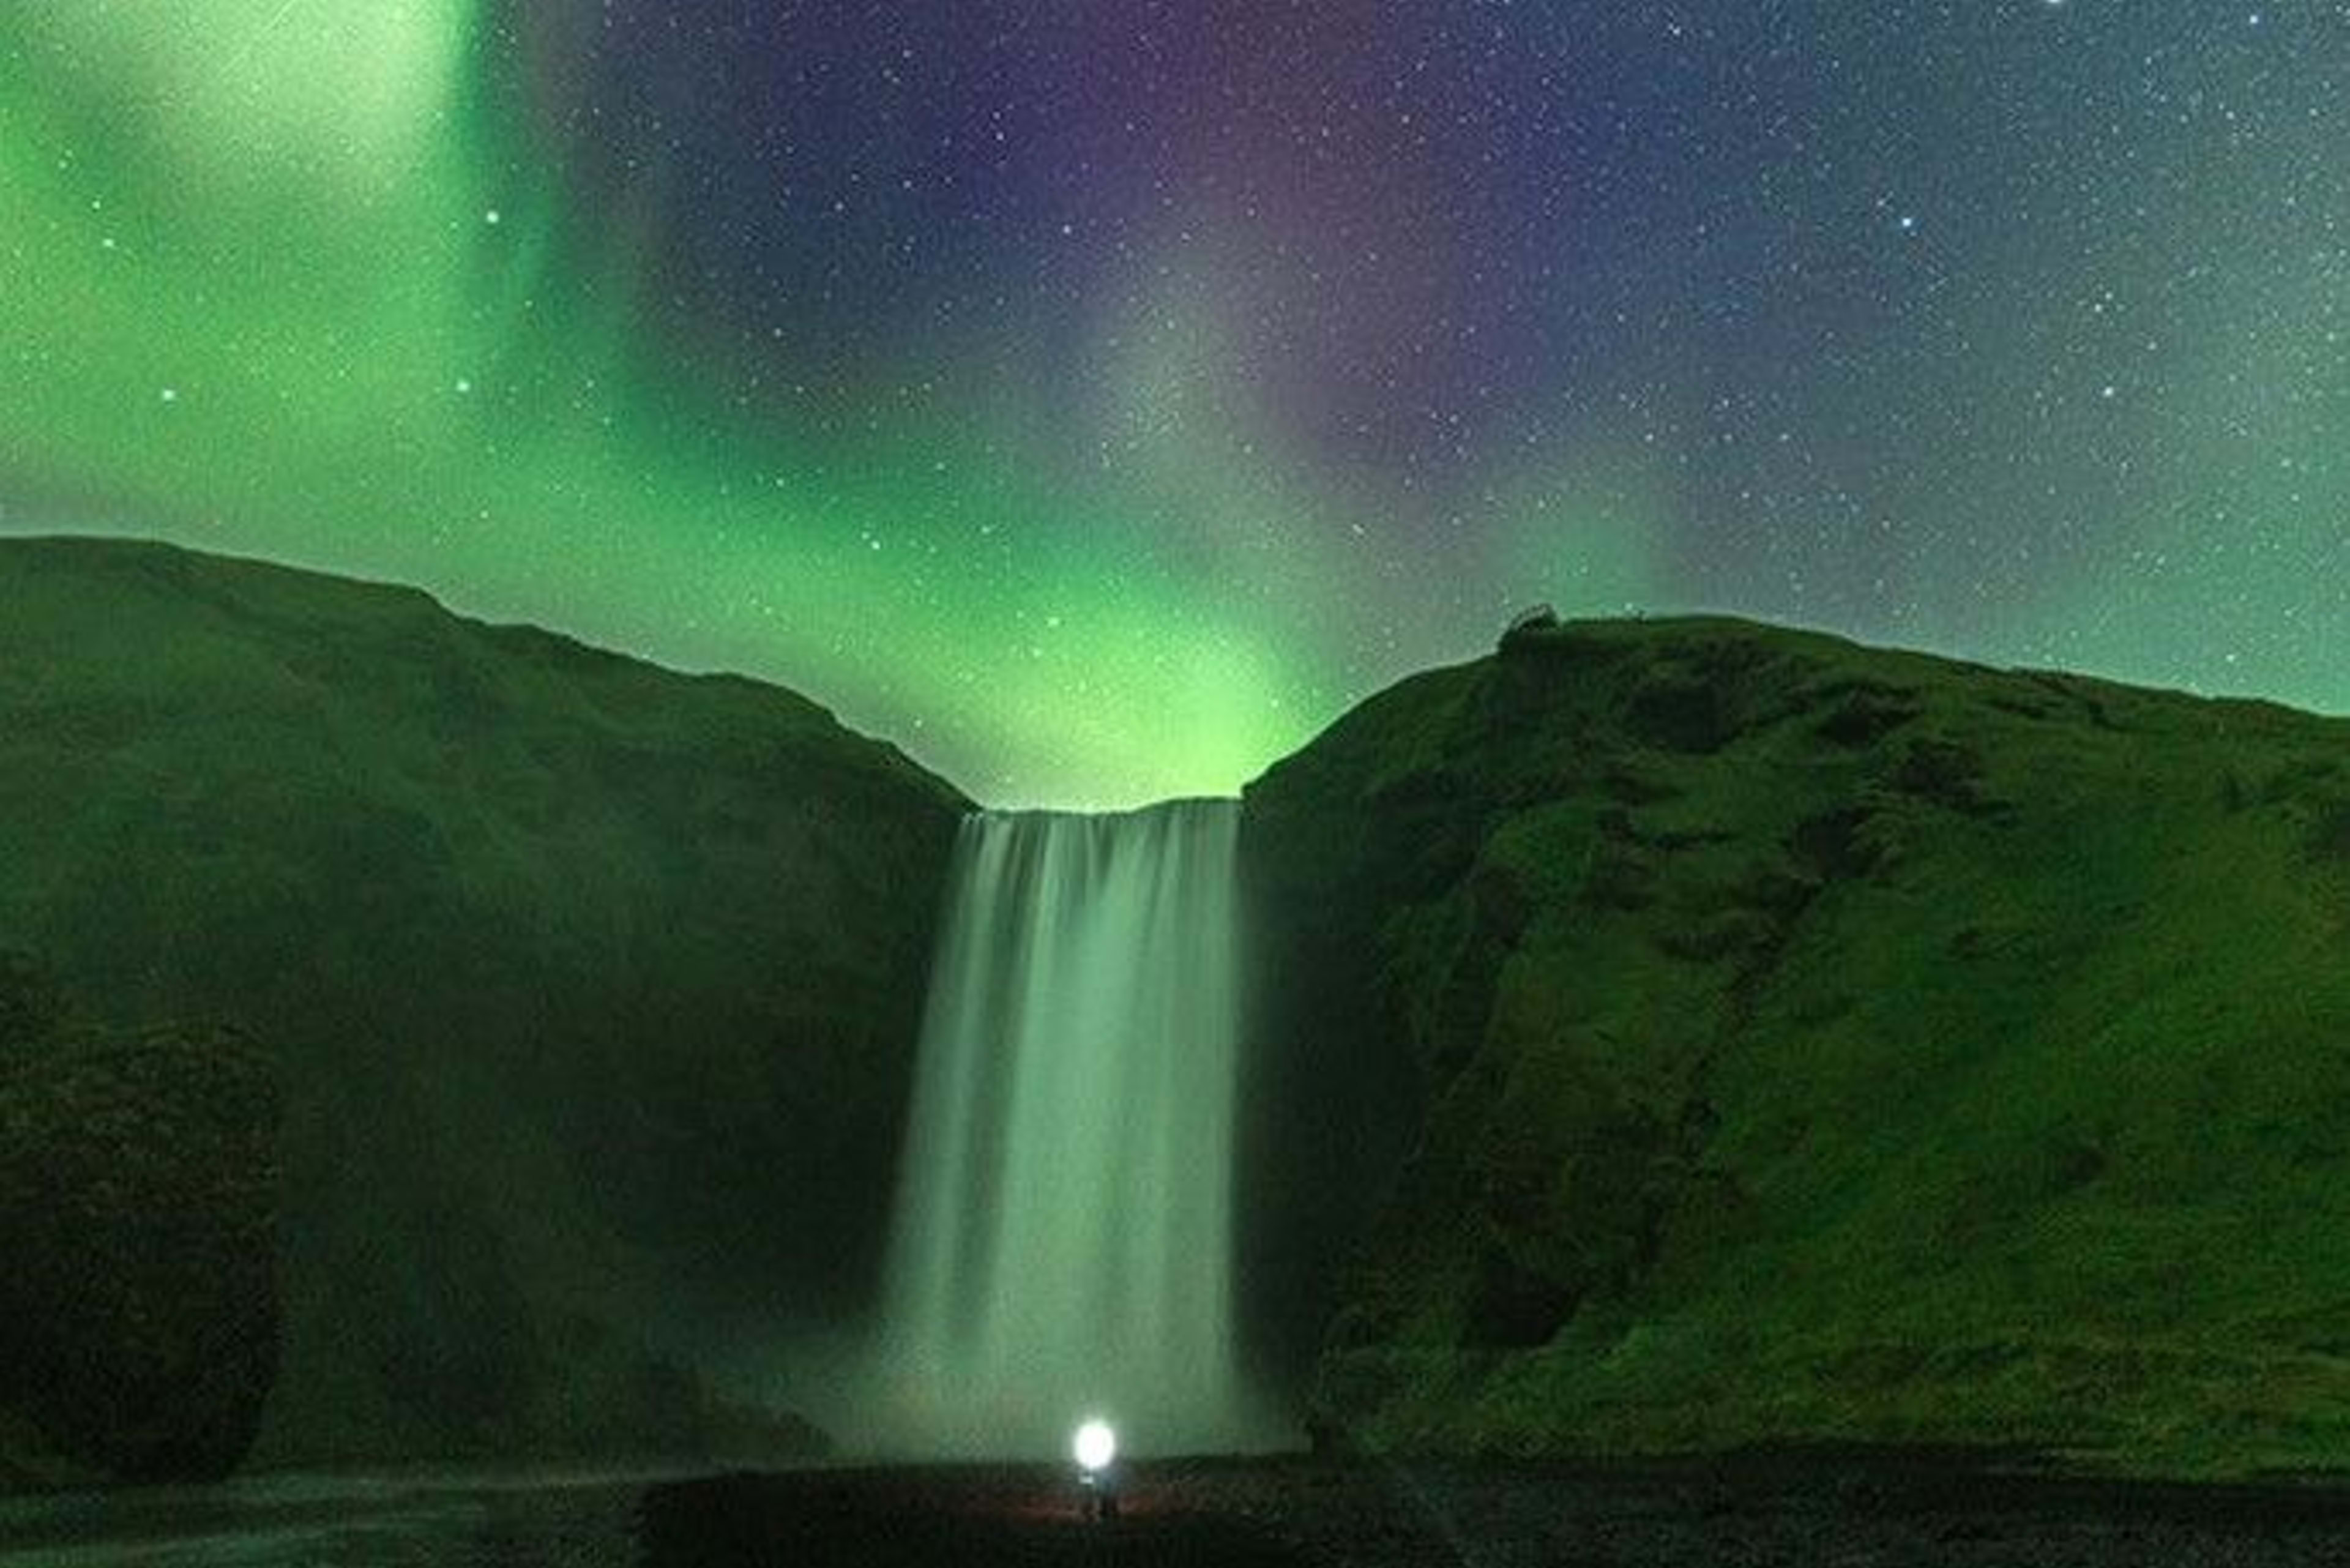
(1063, 1233)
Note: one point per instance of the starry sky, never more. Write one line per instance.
(1097, 397)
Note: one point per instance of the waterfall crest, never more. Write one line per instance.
(1062, 1244)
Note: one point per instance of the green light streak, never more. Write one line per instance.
(265, 297)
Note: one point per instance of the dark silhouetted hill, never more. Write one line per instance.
(586, 993)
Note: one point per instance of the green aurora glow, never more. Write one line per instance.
(284, 279)
(209, 344)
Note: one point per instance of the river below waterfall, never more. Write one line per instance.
(1789, 1511)
(345, 1521)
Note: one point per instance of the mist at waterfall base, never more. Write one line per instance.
(1062, 1242)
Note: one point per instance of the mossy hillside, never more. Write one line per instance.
(591, 987)
(1786, 1039)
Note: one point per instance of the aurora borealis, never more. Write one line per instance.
(1095, 397)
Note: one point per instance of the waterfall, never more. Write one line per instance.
(1062, 1244)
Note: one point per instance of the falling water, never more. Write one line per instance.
(1064, 1235)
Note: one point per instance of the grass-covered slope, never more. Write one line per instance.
(589, 988)
(1686, 1032)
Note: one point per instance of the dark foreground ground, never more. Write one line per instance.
(1913, 1513)
(1832, 1511)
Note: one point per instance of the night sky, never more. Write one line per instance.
(1096, 397)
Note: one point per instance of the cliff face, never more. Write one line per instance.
(589, 991)
(1686, 1032)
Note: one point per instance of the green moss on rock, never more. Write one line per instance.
(1767, 1037)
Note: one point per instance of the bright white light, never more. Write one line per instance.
(1096, 1445)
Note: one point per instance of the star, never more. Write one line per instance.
(1272, 347)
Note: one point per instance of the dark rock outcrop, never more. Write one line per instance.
(1686, 1032)
(139, 1306)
